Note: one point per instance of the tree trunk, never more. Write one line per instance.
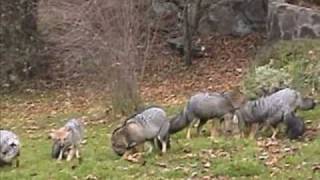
(187, 37)
(196, 16)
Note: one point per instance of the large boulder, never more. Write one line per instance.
(279, 19)
(288, 21)
(234, 17)
(228, 17)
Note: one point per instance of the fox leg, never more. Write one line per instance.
(214, 130)
(17, 159)
(242, 134)
(253, 130)
(200, 125)
(60, 154)
(164, 146)
(77, 152)
(17, 162)
(263, 127)
(189, 130)
(239, 134)
(155, 143)
(275, 131)
(71, 153)
(150, 149)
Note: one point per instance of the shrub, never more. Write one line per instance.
(264, 77)
(292, 63)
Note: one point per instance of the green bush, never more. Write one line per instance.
(293, 63)
(264, 77)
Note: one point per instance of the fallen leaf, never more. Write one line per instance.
(315, 167)
(163, 165)
(91, 177)
(135, 158)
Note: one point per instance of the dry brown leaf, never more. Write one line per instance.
(160, 164)
(135, 158)
(91, 177)
(315, 167)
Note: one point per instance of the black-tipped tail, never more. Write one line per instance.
(178, 123)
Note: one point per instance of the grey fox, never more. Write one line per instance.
(9, 147)
(67, 139)
(203, 106)
(150, 124)
(271, 110)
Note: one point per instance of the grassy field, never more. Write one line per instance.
(199, 158)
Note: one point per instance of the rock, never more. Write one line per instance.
(288, 21)
(167, 12)
(234, 17)
(279, 19)
(162, 7)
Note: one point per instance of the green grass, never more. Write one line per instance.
(227, 157)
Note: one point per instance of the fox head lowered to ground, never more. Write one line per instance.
(150, 124)
(67, 139)
(295, 126)
(9, 147)
(307, 103)
(119, 140)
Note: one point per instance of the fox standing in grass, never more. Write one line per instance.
(203, 106)
(66, 140)
(271, 110)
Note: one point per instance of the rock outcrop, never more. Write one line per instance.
(279, 19)
(229, 17)
(288, 21)
(234, 17)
